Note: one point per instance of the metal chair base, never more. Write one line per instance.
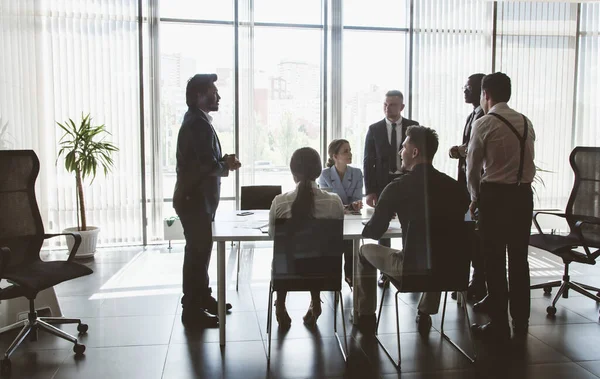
(565, 285)
(463, 304)
(33, 324)
(337, 299)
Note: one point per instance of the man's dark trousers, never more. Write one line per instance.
(505, 225)
(197, 228)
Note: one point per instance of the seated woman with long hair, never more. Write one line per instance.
(306, 201)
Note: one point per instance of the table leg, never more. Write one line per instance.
(221, 289)
(355, 247)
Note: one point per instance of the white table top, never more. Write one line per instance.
(228, 226)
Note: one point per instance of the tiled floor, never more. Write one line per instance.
(131, 304)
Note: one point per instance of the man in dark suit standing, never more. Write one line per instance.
(382, 163)
(200, 166)
(477, 289)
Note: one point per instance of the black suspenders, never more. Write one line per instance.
(522, 141)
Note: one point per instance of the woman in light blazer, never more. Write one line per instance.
(347, 183)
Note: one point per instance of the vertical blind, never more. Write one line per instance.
(587, 130)
(536, 47)
(59, 60)
(452, 40)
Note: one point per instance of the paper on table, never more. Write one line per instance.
(252, 225)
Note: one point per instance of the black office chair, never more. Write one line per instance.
(21, 237)
(307, 256)
(439, 264)
(258, 197)
(583, 217)
(254, 197)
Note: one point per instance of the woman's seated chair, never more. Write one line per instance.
(307, 256)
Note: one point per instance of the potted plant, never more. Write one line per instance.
(85, 151)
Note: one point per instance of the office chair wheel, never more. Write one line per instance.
(82, 328)
(453, 295)
(548, 290)
(79, 349)
(551, 310)
(5, 367)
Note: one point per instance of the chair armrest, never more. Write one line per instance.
(4, 259)
(535, 221)
(577, 231)
(75, 235)
(587, 220)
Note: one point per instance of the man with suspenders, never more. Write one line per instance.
(502, 143)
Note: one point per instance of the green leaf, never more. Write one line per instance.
(84, 148)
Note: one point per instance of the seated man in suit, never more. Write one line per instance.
(422, 194)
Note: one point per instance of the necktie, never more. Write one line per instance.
(394, 150)
(467, 133)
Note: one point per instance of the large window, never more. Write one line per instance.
(291, 74)
(375, 60)
(374, 63)
(179, 61)
(59, 60)
(452, 40)
(536, 48)
(280, 99)
(587, 126)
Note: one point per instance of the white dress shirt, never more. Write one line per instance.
(399, 141)
(208, 117)
(327, 205)
(496, 148)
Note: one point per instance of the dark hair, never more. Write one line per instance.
(476, 82)
(306, 168)
(497, 85)
(333, 149)
(199, 83)
(395, 92)
(425, 139)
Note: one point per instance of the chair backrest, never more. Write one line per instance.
(440, 259)
(21, 226)
(258, 197)
(584, 201)
(307, 254)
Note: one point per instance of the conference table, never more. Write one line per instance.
(243, 227)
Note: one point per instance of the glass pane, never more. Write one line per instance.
(382, 13)
(178, 63)
(441, 16)
(197, 9)
(535, 56)
(366, 81)
(588, 117)
(280, 103)
(462, 42)
(286, 11)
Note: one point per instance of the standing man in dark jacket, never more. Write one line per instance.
(472, 90)
(382, 163)
(200, 166)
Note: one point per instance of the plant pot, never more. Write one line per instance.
(89, 237)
